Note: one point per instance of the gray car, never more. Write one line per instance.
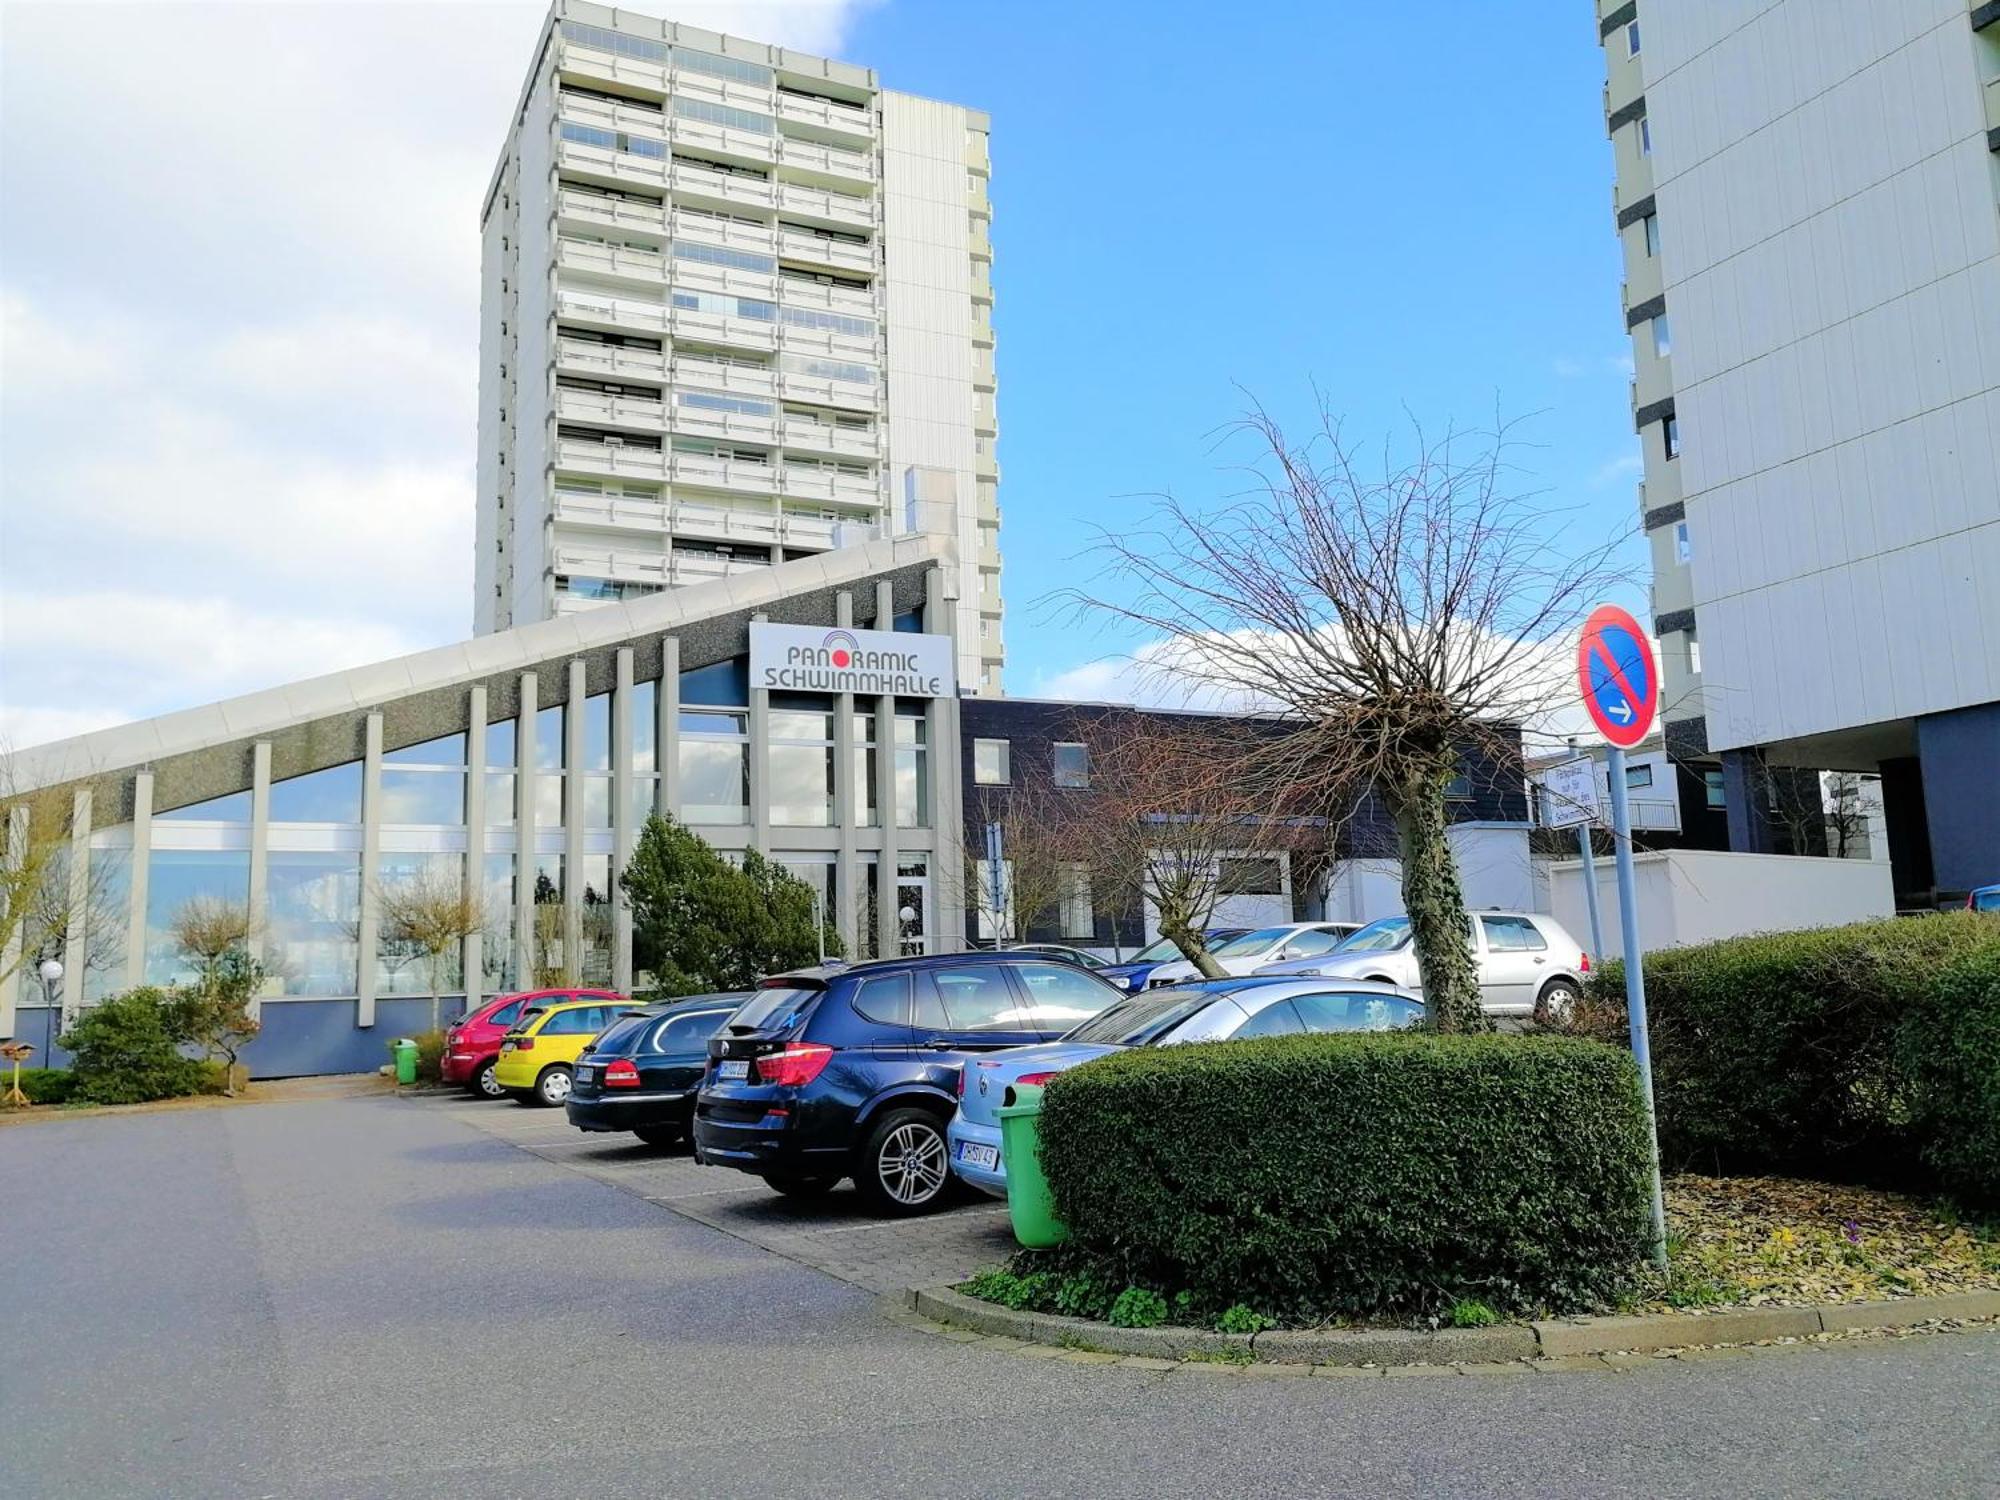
(1528, 964)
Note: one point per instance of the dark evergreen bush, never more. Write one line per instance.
(127, 1051)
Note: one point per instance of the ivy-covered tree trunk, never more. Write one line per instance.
(1435, 904)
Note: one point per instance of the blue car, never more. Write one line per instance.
(852, 1071)
(1986, 898)
(1209, 1010)
(1133, 976)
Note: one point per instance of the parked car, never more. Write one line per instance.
(472, 1046)
(831, 1073)
(1134, 974)
(1062, 951)
(641, 1074)
(1528, 964)
(1202, 1011)
(1985, 898)
(538, 1057)
(1248, 951)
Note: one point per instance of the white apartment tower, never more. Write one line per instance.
(736, 310)
(1808, 198)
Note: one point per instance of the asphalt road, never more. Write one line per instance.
(367, 1298)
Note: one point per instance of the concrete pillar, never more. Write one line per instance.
(142, 858)
(668, 749)
(888, 931)
(11, 962)
(368, 928)
(76, 932)
(846, 867)
(760, 761)
(623, 834)
(474, 958)
(573, 815)
(947, 813)
(524, 835)
(257, 911)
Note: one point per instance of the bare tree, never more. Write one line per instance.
(40, 902)
(429, 913)
(553, 965)
(1846, 815)
(214, 933)
(1401, 622)
(1173, 802)
(1041, 863)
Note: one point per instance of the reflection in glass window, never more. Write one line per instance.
(549, 738)
(597, 801)
(1069, 765)
(800, 761)
(866, 812)
(107, 914)
(500, 745)
(499, 799)
(549, 800)
(497, 951)
(989, 762)
(434, 797)
(177, 879)
(402, 967)
(715, 768)
(329, 796)
(446, 751)
(913, 787)
(549, 955)
(645, 728)
(597, 732)
(313, 903)
(234, 808)
(597, 919)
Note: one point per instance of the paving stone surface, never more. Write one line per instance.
(832, 1234)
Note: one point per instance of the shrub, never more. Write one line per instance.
(1803, 1052)
(1948, 1047)
(1357, 1174)
(430, 1056)
(126, 1051)
(1240, 1319)
(1470, 1312)
(1138, 1307)
(41, 1085)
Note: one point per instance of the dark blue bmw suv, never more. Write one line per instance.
(852, 1071)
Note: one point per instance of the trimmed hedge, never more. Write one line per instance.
(1389, 1173)
(1846, 1052)
(41, 1085)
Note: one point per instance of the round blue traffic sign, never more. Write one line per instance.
(1618, 676)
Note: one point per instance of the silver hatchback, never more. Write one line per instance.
(1529, 965)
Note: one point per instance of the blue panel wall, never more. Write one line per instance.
(1960, 756)
(38, 1027)
(302, 1037)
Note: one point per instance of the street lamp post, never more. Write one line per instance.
(51, 971)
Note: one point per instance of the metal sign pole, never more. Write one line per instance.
(996, 885)
(1590, 890)
(1635, 995)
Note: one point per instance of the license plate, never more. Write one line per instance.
(733, 1067)
(584, 1075)
(978, 1156)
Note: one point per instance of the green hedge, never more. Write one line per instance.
(1357, 1174)
(1812, 1052)
(41, 1085)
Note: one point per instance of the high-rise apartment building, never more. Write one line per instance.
(737, 310)
(1808, 197)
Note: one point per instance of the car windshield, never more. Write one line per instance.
(1252, 942)
(766, 1006)
(1156, 952)
(1139, 1020)
(619, 1035)
(1378, 937)
(1986, 900)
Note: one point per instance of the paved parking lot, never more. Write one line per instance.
(831, 1234)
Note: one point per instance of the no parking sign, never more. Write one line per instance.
(1619, 678)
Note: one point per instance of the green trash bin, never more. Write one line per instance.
(405, 1052)
(1029, 1202)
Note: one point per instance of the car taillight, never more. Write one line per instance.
(621, 1073)
(961, 1083)
(524, 1044)
(798, 1063)
(1033, 1079)
(1583, 963)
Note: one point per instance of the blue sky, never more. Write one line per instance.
(237, 385)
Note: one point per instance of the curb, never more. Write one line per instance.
(1562, 1338)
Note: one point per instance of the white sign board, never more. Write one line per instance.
(1570, 793)
(814, 659)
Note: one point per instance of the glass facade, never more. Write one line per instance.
(800, 762)
(234, 808)
(311, 917)
(496, 953)
(178, 880)
(867, 808)
(329, 796)
(715, 767)
(913, 781)
(596, 930)
(402, 967)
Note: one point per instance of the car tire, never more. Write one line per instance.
(803, 1187)
(484, 1085)
(657, 1136)
(905, 1165)
(552, 1088)
(1556, 1004)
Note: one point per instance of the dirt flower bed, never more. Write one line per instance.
(1776, 1241)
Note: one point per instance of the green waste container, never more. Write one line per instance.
(405, 1052)
(1029, 1202)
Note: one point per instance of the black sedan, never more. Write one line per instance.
(642, 1073)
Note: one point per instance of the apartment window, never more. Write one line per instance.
(717, 255)
(1069, 765)
(724, 115)
(1638, 778)
(1459, 788)
(1645, 136)
(1718, 795)
(1670, 433)
(989, 760)
(1249, 877)
(1079, 914)
(1683, 548)
(1631, 38)
(1663, 339)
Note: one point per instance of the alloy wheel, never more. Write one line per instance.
(911, 1164)
(487, 1084)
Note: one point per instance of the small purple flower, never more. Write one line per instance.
(1853, 1232)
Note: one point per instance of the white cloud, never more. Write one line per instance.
(239, 361)
(1624, 466)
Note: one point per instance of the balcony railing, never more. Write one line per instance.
(853, 395)
(824, 437)
(848, 119)
(841, 255)
(610, 458)
(733, 234)
(593, 63)
(609, 410)
(834, 161)
(829, 484)
(610, 360)
(614, 312)
(817, 294)
(725, 187)
(716, 375)
(720, 328)
(815, 203)
(702, 135)
(731, 426)
(604, 115)
(610, 260)
(611, 213)
(619, 166)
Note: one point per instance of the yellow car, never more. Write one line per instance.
(538, 1057)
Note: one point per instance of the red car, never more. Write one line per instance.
(472, 1046)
